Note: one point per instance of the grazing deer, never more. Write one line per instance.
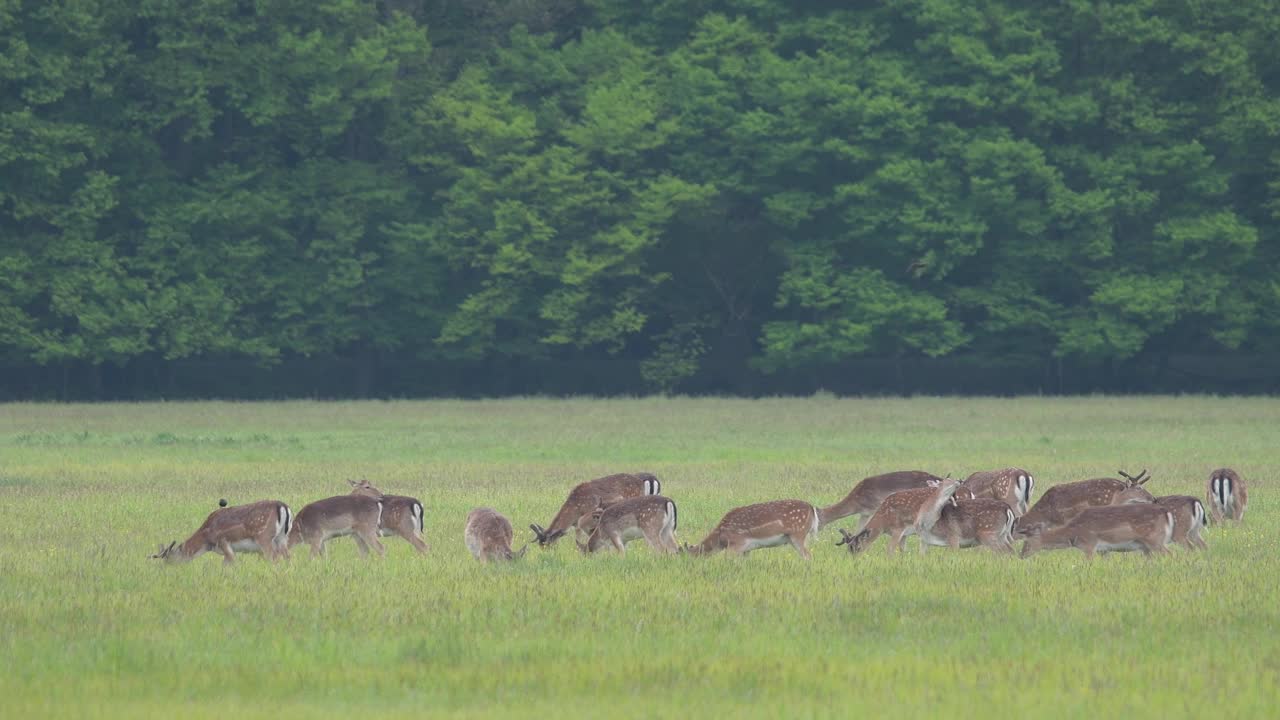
(896, 517)
(488, 536)
(1227, 496)
(1118, 528)
(948, 521)
(401, 515)
(865, 497)
(323, 520)
(1061, 503)
(261, 527)
(1012, 485)
(586, 497)
(764, 525)
(1189, 519)
(652, 517)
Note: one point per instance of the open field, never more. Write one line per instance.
(90, 628)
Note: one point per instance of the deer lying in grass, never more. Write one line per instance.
(488, 536)
(1189, 519)
(1012, 485)
(587, 496)
(1061, 503)
(763, 525)
(865, 497)
(261, 527)
(1118, 528)
(1227, 495)
(652, 517)
(964, 521)
(401, 515)
(895, 517)
(323, 520)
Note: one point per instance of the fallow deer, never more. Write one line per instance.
(488, 536)
(1227, 496)
(261, 527)
(895, 517)
(586, 497)
(1189, 519)
(1061, 503)
(652, 517)
(1012, 485)
(865, 497)
(1147, 527)
(964, 521)
(763, 525)
(323, 520)
(401, 515)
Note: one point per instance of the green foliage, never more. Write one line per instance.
(703, 188)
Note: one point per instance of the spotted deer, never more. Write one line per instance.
(763, 525)
(488, 536)
(1146, 527)
(260, 527)
(965, 521)
(1189, 519)
(1226, 495)
(652, 517)
(865, 497)
(896, 517)
(1012, 485)
(401, 515)
(1061, 503)
(323, 520)
(587, 496)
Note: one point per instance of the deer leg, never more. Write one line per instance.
(267, 543)
(370, 536)
(1197, 541)
(415, 540)
(360, 543)
(228, 555)
(738, 546)
(798, 542)
(317, 542)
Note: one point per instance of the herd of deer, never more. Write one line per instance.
(990, 508)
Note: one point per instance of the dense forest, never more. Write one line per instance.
(253, 198)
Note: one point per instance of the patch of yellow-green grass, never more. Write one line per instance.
(90, 628)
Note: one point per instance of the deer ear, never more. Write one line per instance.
(354, 483)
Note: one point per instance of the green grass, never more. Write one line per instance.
(90, 628)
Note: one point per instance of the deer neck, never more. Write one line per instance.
(932, 510)
(842, 509)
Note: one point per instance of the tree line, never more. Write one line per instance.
(639, 195)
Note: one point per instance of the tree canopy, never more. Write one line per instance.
(704, 194)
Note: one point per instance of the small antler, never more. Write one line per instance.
(848, 538)
(1134, 480)
(537, 530)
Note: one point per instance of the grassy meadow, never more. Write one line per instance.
(89, 627)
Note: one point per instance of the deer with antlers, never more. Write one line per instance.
(896, 517)
(1189, 519)
(488, 536)
(1146, 527)
(652, 517)
(763, 525)
(1061, 503)
(586, 497)
(323, 520)
(261, 527)
(865, 497)
(401, 515)
(1227, 496)
(1012, 485)
(965, 521)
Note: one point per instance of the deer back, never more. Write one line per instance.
(1061, 503)
(488, 534)
(339, 512)
(1012, 485)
